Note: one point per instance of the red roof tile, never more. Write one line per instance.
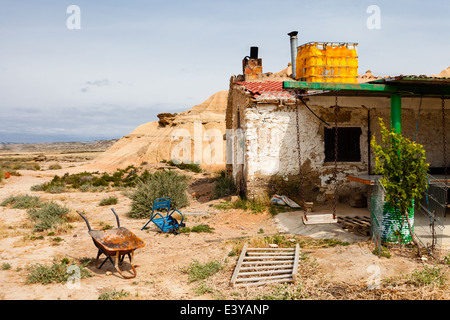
(267, 90)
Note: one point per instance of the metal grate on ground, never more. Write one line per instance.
(260, 266)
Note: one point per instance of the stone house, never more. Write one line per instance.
(262, 149)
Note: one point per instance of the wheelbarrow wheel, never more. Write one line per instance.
(118, 261)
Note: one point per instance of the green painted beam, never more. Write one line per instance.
(304, 85)
(396, 113)
(429, 89)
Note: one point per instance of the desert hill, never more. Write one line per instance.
(154, 141)
(443, 74)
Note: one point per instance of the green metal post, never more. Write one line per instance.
(396, 113)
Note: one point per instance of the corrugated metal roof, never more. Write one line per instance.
(414, 79)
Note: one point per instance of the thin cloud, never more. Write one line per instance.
(98, 83)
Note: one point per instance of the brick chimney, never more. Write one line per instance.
(252, 65)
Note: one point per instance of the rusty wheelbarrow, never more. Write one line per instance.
(115, 243)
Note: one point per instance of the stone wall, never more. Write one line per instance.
(271, 140)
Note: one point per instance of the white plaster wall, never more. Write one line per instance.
(271, 137)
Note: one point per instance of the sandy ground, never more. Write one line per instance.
(161, 263)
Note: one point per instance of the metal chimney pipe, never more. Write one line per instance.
(294, 45)
(253, 52)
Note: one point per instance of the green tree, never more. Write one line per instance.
(402, 163)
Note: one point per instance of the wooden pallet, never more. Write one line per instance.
(259, 266)
(360, 224)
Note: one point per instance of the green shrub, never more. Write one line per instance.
(254, 205)
(198, 229)
(57, 272)
(158, 185)
(6, 266)
(54, 166)
(38, 187)
(93, 182)
(194, 167)
(113, 295)
(198, 271)
(224, 187)
(49, 215)
(427, 276)
(56, 189)
(22, 202)
(108, 201)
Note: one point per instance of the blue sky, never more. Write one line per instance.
(131, 60)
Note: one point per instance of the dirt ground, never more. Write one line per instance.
(161, 265)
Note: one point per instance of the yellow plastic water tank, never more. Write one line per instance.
(327, 62)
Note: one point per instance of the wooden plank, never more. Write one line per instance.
(269, 272)
(270, 249)
(267, 262)
(282, 266)
(351, 220)
(263, 278)
(296, 259)
(339, 86)
(260, 283)
(238, 265)
(368, 182)
(271, 253)
(268, 257)
(354, 221)
(319, 219)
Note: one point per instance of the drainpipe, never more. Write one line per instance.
(294, 45)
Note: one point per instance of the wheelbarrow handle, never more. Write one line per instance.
(89, 227)
(117, 218)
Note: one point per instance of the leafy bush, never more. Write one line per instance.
(11, 164)
(54, 166)
(113, 295)
(38, 187)
(403, 167)
(22, 202)
(199, 228)
(158, 185)
(5, 266)
(108, 201)
(88, 181)
(254, 205)
(56, 189)
(194, 167)
(224, 187)
(427, 276)
(198, 271)
(49, 215)
(57, 272)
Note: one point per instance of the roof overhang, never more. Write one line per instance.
(404, 86)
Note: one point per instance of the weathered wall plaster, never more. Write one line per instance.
(271, 139)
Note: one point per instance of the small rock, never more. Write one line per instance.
(273, 245)
(108, 273)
